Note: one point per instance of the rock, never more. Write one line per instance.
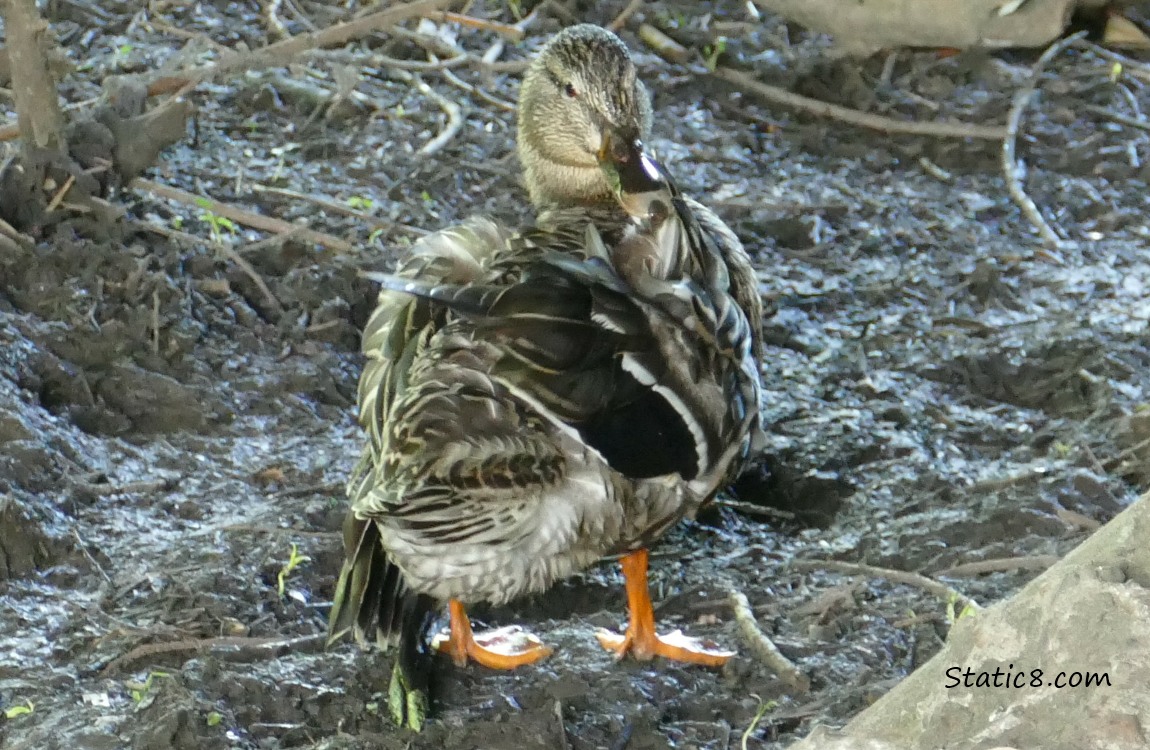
(868, 25)
(151, 401)
(1087, 615)
(25, 544)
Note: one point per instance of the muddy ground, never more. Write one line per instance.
(940, 389)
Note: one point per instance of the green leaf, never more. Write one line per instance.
(14, 711)
(295, 559)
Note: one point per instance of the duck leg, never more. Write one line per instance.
(503, 648)
(640, 639)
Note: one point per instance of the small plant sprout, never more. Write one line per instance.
(712, 52)
(23, 710)
(214, 719)
(359, 203)
(139, 690)
(216, 223)
(966, 611)
(295, 559)
(763, 708)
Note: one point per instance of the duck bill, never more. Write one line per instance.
(634, 176)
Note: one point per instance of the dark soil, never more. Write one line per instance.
(940, 389)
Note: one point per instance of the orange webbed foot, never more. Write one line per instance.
(502, 648)
(673, 645)
(640, 639)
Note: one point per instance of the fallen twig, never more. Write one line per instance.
(374, 222)
(762, 647)
(84, 550)
(998, 565)
(1117, 117)
(19, 239)
(852, 116)
(756, 510)
(250, 271)
(1113, 463)
(454, 118)
(624, 16)
(1010, 168)
(455, 80)
(915, 620)
(275, 25)
(513, 32)
(253, 529)
(1077, 520)
(1137, 68)
(230, 645)
(663, 45)
(247, 218)
(285, 51)
(564, 743)
(941, 590)
(93, 489)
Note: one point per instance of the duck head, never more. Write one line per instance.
(582, 106)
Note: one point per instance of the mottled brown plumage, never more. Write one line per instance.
(537, 399)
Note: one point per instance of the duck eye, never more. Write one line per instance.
(570, 91)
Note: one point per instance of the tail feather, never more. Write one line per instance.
(371, 593)
(409, 696)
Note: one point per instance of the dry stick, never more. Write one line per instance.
(18, 238)
(621, 19)
(1117, 117)
(156, 322)
(762, 647)
(1009, 161)
(853, 116)
(252, 274)
(1136, 68)
(275, 25)
(84, 549)
(58, 198)
(514, 32)
(255, 646)
(374, 222)
(458, 82)
(753, 509)
(454, 118)
(247, 218)
(231, 254)
(1113, 463)
(566, 745)
(663, 45)
(37, 102)
(287, 50)
(151, 485)
(253, 529)
(941, 590)
(916, 620)
(1077, 520)
(280, 52)
(999, 565)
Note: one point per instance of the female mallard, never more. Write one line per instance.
(536, 400)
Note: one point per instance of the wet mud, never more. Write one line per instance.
(175, 425)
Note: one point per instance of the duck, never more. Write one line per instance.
(537, 399)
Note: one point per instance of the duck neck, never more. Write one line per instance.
(552, 184)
